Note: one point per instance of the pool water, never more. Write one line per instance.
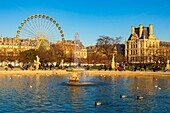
(47, 93)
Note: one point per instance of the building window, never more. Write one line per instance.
(150, 44)
(153, 44)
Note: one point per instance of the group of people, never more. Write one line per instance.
(154, 67)
(43, 66)
(121, 67)
(7, 66)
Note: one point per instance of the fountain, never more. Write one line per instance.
(74, 79)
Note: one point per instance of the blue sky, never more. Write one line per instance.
(90, 18)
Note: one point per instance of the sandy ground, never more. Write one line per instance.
(17, 71)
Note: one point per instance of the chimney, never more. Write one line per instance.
(140, 30)
(2, 38)
(133, 29)
(150, 29)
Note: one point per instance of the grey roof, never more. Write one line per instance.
(164, 43)
(145, 33)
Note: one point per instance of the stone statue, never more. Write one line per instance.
(113, 58)
(62, 64)
(38, 59)
(167, 65)
(37, 62)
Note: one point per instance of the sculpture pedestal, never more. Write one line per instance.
(37, 66)
(74, 78)
(37, 63)
(167, 65)
(113, 62)
(113, 65)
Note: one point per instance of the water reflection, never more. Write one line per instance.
(47, 93)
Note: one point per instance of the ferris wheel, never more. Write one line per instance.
(41, 30)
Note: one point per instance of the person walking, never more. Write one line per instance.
(51, 66)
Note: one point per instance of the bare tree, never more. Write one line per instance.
(69, 57)
(93, 57)
(107, 46)
(57, 53)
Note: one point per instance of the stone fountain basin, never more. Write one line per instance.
(80, 83)
(76, 70)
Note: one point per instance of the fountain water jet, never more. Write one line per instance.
(74, 79)
(77, 47)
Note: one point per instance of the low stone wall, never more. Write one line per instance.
(129, 73)
(63, 72)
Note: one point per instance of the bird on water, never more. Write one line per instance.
(97, 103)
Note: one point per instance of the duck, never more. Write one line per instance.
(156, 86)
(137, 88)
(139, 97)
(123, 96)
(98, 103)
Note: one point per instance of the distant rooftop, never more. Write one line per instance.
(164, 43)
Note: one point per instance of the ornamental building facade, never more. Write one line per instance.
(10, 48)
(143, 47)
(68, 47)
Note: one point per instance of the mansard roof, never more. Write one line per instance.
(145, 33)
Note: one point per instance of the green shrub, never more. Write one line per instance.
(97, 67)
(131, 68)
(54, 67)
(138, 68)
(115, 69)
(142, 69)
(147, 69)
(90, 69)
(163, 68)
